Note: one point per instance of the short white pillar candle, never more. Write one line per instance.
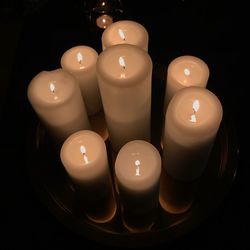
(125, 32)
(84, 157)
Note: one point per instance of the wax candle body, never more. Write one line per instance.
(125, 32)
(192, 120)
(84, 157)
(137, 169)
(185, 71)
(80, 61)
(56, 98)
(124, 76)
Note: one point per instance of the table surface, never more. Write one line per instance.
(200, 28)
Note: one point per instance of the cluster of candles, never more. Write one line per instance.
(118, 82)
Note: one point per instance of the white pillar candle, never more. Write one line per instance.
(80, 61)
(192, 120)
(138, 169)
(56, 98)
(185, 71)
(124, 74)
(84, 157)
(125, 32)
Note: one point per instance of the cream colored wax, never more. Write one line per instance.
(56, 98)
(80, 61)
(185, 71)
(192, 120)
(84, 157)
(125, 32)
(138, 169)
(124, 75)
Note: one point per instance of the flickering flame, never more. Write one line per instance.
(196, 105)
(82, 149)
(122, 62)
(186, 72)
(121, 34)
(83, 152)
(79, 57)
(137, 170)
(52, 87)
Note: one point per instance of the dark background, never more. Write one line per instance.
(34, 35)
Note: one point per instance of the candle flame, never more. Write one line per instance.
(121, 34)
(82, 149)
(79, 57)
(196, 105)
(83, 152)
(122, 62)
(187, 72)
(137, 171)
(52, 87)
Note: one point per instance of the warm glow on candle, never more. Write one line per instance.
(80, 61)
(124, 77)
(84, 158)
(125, 31)
(184, 71)
(121, 34)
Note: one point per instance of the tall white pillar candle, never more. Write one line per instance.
(192, 120)
(124, 75)
(80, 61)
